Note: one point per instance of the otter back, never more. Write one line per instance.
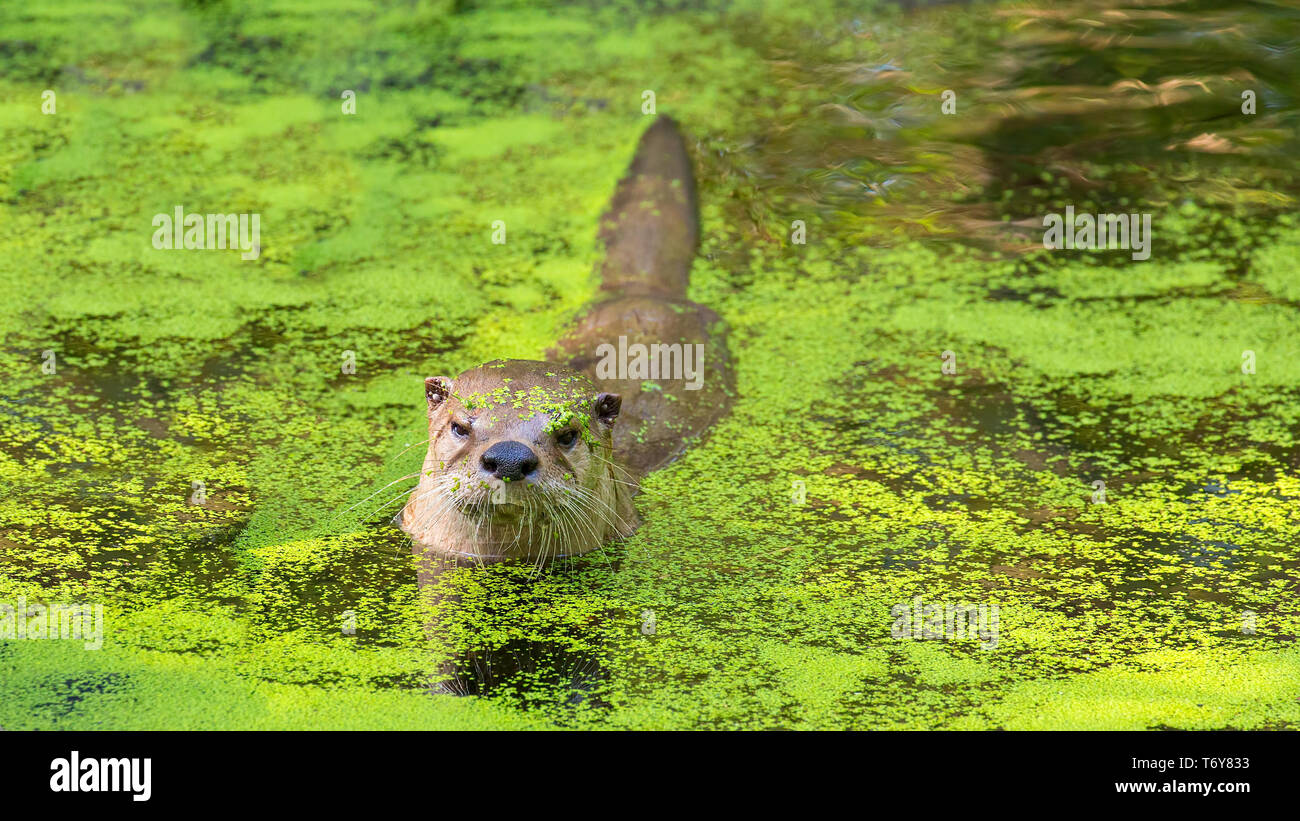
(643, 339)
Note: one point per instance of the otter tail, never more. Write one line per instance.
(643, 339)
(651, 230)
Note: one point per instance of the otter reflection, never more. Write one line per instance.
(533, 671)
(523, 667)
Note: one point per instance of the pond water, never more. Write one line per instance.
(1100, 455)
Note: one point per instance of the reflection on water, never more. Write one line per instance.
(532, 671)
(528, 671)
(1108, 105)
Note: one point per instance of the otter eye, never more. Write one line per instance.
(567, 439)
(461, 431)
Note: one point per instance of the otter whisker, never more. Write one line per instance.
(349, 509)
(574, 509)
(448, 486)
(603, 508)
(571, 514)
(392, 499)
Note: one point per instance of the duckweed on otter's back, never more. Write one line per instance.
(215, 447)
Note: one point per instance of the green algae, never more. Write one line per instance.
(852, 475)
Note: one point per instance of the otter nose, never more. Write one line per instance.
(509, 460)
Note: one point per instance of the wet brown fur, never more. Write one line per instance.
(581, 496)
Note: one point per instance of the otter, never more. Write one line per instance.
(539, 460)
(520, 465)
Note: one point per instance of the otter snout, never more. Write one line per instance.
(509, 461)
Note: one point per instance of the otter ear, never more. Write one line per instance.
(436, 390)
(607, 407)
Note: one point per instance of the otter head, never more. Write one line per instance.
(520, 463)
